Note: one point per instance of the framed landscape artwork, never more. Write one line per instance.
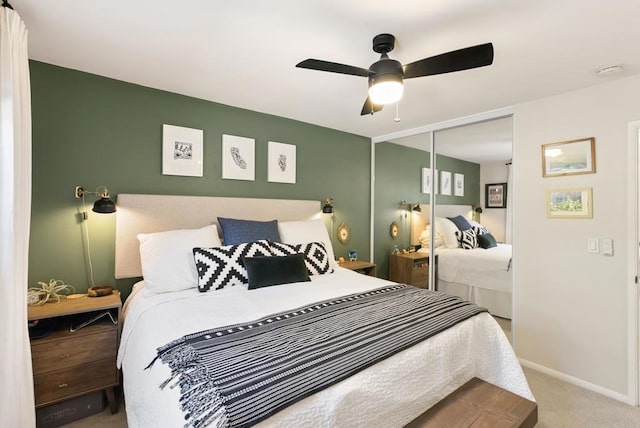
(569, 158)
(570, 203)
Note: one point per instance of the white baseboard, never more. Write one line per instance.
(575, 381)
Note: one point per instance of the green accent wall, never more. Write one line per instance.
(398, 176)
(91, 131)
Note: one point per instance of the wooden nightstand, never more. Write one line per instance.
(70, 364)
(412, 268)
(365, 268)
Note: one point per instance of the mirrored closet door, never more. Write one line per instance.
(470, 183)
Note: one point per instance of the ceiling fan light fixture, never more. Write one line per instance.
(386, 75)
(386, 89)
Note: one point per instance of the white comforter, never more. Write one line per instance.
(485, 268)
(388, 394)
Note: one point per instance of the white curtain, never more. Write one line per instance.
(508, 233)
(16, 379)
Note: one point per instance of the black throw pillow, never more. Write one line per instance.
(275, 270)
(486, 240)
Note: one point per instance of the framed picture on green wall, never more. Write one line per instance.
(181, 151)
(282, 163)
(427, 185)
(458, 184)
(238, 158)
(445, 180)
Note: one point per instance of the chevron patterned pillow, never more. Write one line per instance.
(468, 239)
(221, 266)
(480, 230)
(315, 255)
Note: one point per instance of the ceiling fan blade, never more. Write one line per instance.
(461, 59)
(369, 107)
(333, 67)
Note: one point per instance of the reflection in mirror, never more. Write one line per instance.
(398, 177)
(466, 159)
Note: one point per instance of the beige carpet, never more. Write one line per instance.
(560, 405)
(563, 405)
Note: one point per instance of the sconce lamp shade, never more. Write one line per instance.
(104, 205)
(413, 206)
(328, 206)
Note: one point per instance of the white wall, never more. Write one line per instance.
(495, 219)
(571, 306)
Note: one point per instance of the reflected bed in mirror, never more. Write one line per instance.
(481, 275)
(420, 220)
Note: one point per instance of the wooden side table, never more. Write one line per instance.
(68, 364)
(364, 268)
(412, 269)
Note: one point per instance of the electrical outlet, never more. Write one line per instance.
(79, 192)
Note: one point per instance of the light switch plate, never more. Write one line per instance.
(592, 246)
(607, 246)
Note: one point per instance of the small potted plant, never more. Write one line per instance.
(56, 289)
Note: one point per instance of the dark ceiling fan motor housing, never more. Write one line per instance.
(387, 69)
(384, 43)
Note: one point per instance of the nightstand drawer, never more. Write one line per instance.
(71, 351)
(61, 384)
(69, 364)
(420, 277)
(413, 269)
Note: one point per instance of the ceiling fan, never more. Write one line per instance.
(386, 75)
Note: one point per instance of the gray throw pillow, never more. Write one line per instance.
(235, 231)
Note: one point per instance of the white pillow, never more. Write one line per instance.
(425, 237)
(447, 229)
(296, 232)
(167, 257)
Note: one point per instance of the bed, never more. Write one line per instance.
(480, 275)
(391, 392)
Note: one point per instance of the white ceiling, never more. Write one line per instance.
(481, 142)
(243, 53)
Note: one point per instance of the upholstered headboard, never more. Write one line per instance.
(158, 213)
(420, 220)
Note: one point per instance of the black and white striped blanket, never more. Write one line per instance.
(239, 375)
